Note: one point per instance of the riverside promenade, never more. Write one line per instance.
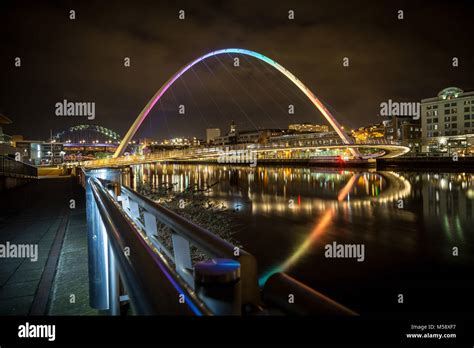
(41, 214)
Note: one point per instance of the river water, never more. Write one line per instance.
(416, 229)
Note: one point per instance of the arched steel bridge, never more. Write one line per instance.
(386, 150)
(88, 133)
(211, 155)
(315, 100)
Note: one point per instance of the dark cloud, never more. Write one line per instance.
(83, 59)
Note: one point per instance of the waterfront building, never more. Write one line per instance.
(367, 134)
(404, 131)
(308, 127)
(306, 139)
(447, 122)
(6, 143)
(180, 142)
(38, 152)
(211, 134)
(255, 136)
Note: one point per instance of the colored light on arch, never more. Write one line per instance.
(319, 105)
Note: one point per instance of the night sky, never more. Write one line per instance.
(83, 60)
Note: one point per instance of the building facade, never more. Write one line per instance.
(404, 131)
(256, 136)
(211, 134)
(367, 134)
(37, 152)
(308, 127)
(306, 139)
(448, 119)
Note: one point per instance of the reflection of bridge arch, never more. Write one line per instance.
(87, 132)
(319, 105)
(399, 187)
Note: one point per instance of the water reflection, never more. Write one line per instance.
(405, 219)
(270, 190)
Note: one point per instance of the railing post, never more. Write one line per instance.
(98, 253)
(97, 246)
(217, 283)
(114, 293)
(249, 280)
(182, 256)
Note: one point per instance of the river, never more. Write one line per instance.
(416, 229)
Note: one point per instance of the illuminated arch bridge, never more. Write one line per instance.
(346, 140)
(87, 134)
(315, 100)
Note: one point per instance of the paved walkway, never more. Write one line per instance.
(38, 213)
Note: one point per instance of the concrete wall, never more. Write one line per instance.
(8, 182)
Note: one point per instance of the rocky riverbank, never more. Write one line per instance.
(195, 205)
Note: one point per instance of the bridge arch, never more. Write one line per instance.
(87, 130)
(315, 100)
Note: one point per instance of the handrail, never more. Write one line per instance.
(203, 239)
(206, 241)
(307, 301)
(148, 279)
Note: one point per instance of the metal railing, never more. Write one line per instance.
(185, 233)
(278, 287)
(151, 284)
(11, 167)
(162, 263)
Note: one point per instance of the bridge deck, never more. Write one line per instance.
(39, 214)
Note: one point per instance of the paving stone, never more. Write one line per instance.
(30, 265)
(10, 266)
(27, 275)
(32, 214)
(16, 306)
(4, 276)
(20, 289)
